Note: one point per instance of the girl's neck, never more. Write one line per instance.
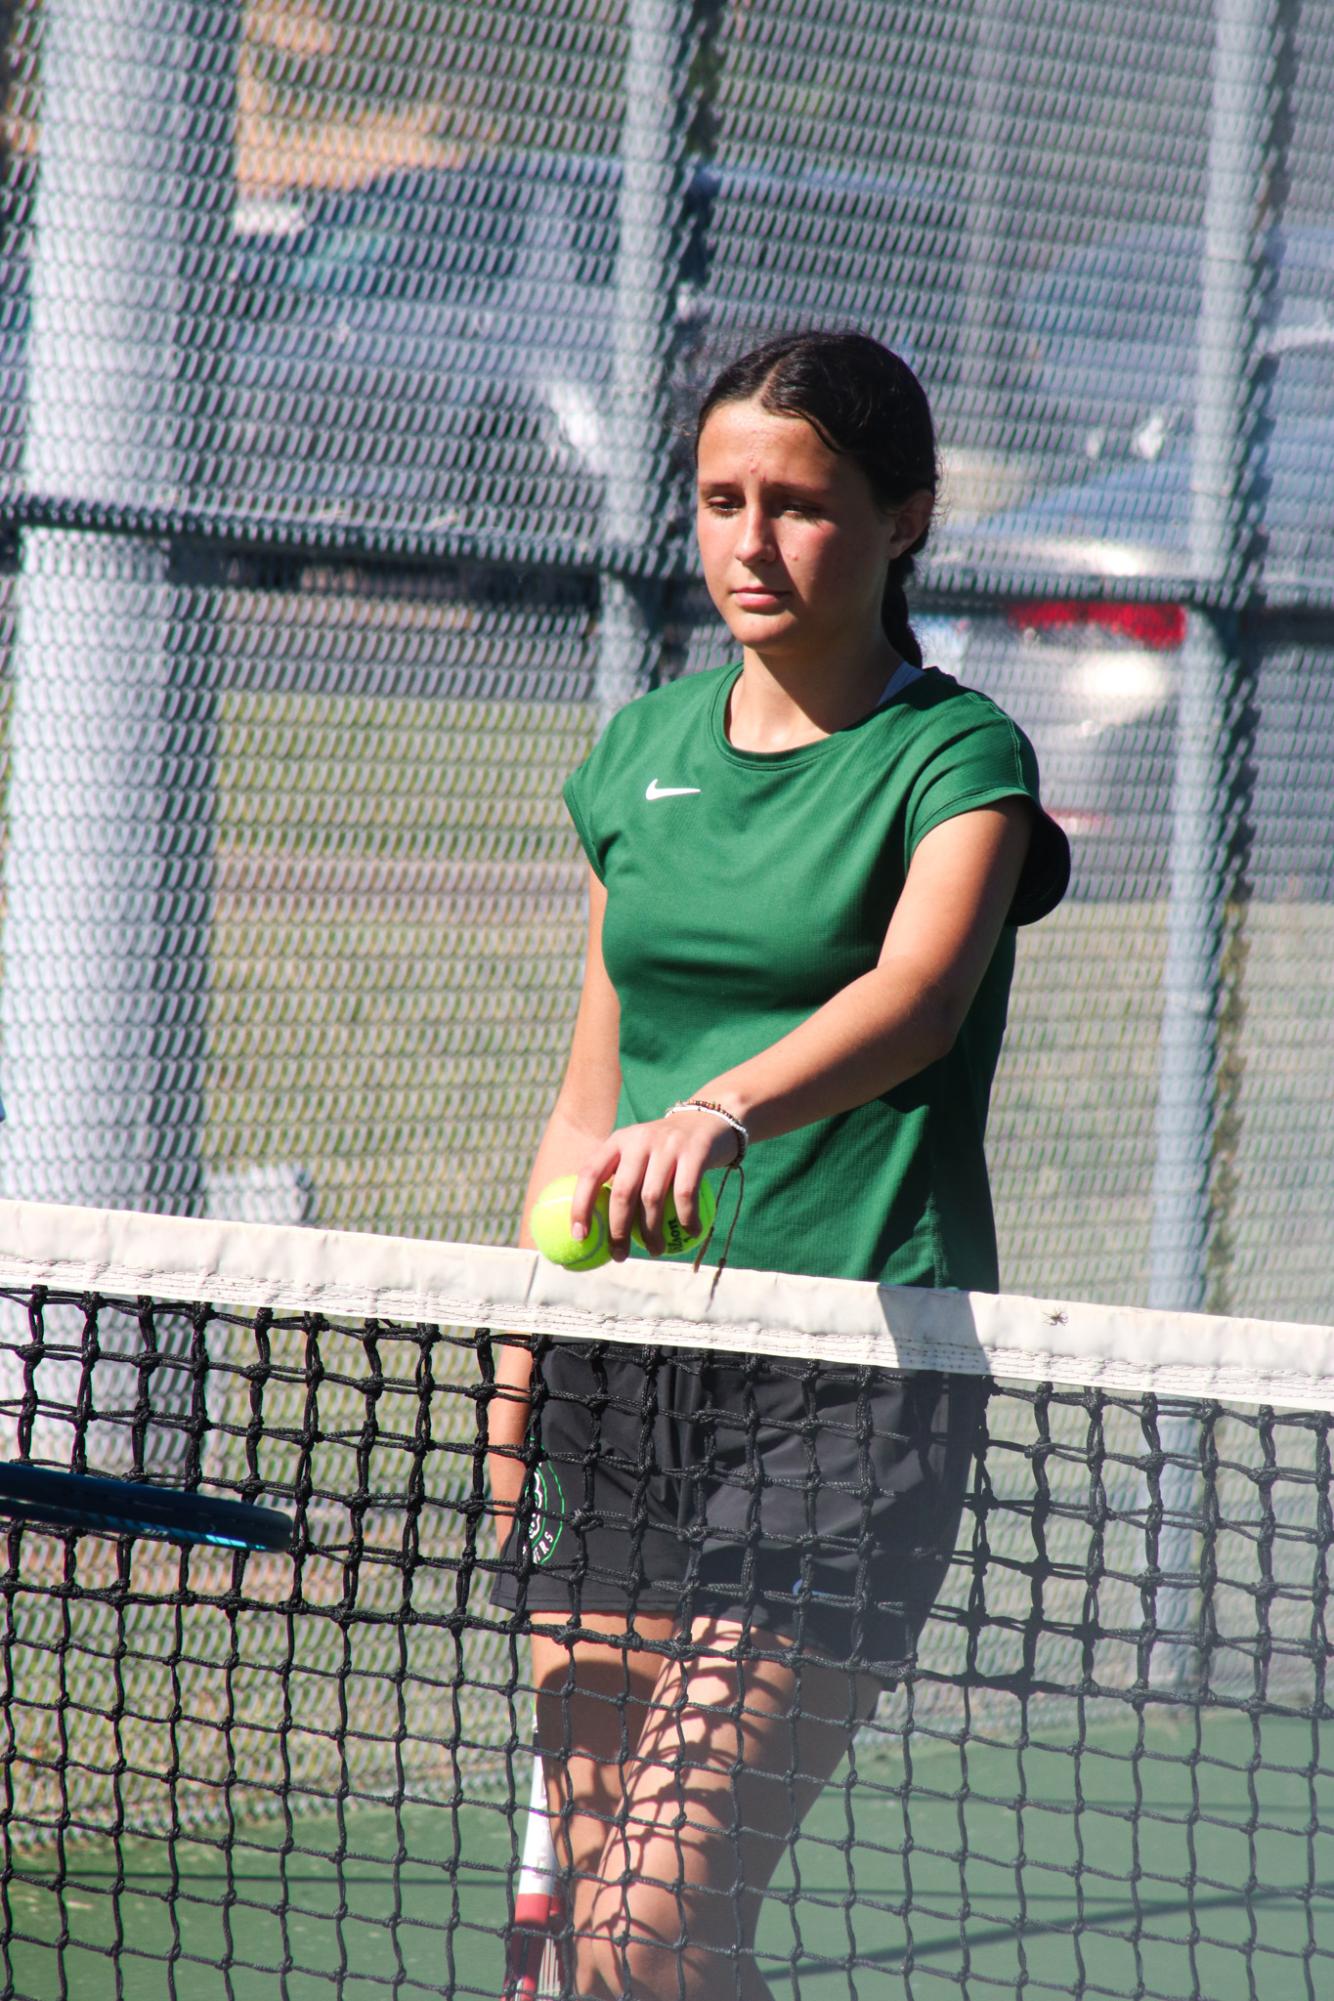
(777, 706)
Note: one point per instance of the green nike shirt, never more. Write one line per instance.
(745, 889)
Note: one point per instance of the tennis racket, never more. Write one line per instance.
(48, 1499)
(535, 1962)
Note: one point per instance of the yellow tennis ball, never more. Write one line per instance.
(549, 1221)
(674, 1236)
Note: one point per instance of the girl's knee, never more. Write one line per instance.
(632, 1968)
(608, 1969)
(648, 1942)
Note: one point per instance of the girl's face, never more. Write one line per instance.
(794, 546)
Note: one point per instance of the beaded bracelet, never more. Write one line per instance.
(743, 1141)
(704, 1105)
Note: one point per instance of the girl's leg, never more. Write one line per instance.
(730, 1753)
(593, 1701)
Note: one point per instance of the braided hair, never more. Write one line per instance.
(865, 403)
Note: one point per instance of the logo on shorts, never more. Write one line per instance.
(548, 1514)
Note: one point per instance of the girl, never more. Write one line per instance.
(806, 871)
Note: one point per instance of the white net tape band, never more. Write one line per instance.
(345, 1275)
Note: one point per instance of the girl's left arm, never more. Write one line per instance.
(874, 1034)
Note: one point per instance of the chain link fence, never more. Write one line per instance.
(347, 347)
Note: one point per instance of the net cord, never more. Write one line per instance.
(348, 1275)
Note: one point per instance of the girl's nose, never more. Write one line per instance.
(756, 537)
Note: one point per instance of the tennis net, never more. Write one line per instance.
(306, 1772)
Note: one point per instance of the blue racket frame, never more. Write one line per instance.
(46, 1498)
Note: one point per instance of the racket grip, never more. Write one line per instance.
(536, 1921)
(538, 1910)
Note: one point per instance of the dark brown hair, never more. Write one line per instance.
(867, 404)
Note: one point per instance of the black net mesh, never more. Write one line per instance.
(1104, 1767)
(348, 350)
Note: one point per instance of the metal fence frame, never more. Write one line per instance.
(67, 514)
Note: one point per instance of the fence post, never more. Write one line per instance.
(107, 870)
(986, 337)
(1247, 130)
(651, 216)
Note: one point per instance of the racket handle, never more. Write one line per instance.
(538, 1910)
(537, 1920)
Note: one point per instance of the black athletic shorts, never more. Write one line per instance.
(819, 1503)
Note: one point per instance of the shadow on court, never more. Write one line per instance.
(1113, 1866)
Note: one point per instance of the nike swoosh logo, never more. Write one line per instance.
(656, 791)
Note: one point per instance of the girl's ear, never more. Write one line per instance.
(911, 520)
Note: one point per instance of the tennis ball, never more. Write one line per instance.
(549, 1221)
(674, 1235)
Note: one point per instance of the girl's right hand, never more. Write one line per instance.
(643, 1163)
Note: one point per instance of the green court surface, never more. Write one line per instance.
(1005, 1872)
